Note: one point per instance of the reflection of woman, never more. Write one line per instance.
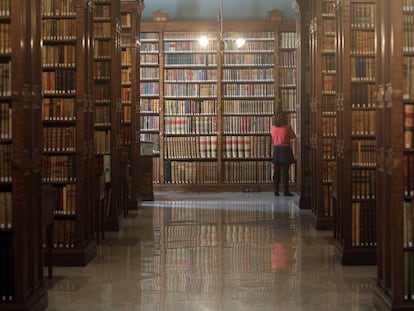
(283, 157)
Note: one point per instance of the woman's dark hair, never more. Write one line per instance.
(280, 119)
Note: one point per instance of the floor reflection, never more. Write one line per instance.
(215, 252)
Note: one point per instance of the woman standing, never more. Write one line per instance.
(283, 157)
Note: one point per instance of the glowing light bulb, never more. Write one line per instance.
(240, 42)
(203, 41)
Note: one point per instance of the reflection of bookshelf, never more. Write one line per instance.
(108, 107)
(21, 265)
(130, 21)
(395, 100)
(201, 253)
(322, 110)
(354, 202)
(67, 128)
(210, 107)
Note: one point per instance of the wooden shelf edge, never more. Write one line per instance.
(74, 257)
(356, 256)
(382, 302)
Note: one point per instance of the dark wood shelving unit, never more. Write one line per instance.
(228, 98)
(67, 128)
(113, 157)
(394, 174)
(21, 259)
(130, 132)
(354, 200)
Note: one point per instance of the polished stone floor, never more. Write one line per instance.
(215, 252)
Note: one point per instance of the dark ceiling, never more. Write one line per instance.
(197, 10)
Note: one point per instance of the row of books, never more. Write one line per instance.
(126, 75)
(5, 79)
(149, 47)
(59, 168)
(195, 172)
(287, 99)
(126, 20)
(408, 276)
(328, 8)
(328, 63)
(188, 107)
(7, 277)
(287, 76)
(329, 148)
(364, 152)
(247, 146)
(101, 49)
(329, 125)
(102, 141)
(363, 15)
(59, 139)
(408, 212)
(363, 96)
(148, 60)
(126, 55)
(62, 55)
(150, 73)
(182, 75)
(329, 26)
(363, 184)
(190, 124)
(101, 9)
(408, 33)
(408, 85)
(126, 134)
(149, 88)
(102, 70)
(59, 81)
(408, 5)
(126, 94)
(190, 89)
(101, 94)
(6, 210)
(288, 40)
(64, 234)
(5, 121)
(67, 200)
(287, 59)
(152, 105)
(58, 29)
(254, 74)
(243, 89)
(408, 176)
(102, 115)
(189, 46)
(191, 147)
(328, 44)
(328, 206)
(247, 124)
(58, 7)
(179, 60)
(247, 172)
(126, 113)
(101, 29)
(249, 59)
(248, 106)
(5, 38)
(149, 123)
(364, 224)
(363, 69)
(329, 83)
(6, 163)
(328, 170)
(362, 42)
(5, 6)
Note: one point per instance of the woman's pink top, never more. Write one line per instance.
(282, 135)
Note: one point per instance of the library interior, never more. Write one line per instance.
(187, 155)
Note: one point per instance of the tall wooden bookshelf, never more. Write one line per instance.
(67, 126)
(354, 200)
(211, 106)
(395, 102)
(130, 131)
(303, 18)
(322, 109)
(21, 260)
(108, 107)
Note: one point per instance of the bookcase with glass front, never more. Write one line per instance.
(322, 109)
(212, 104)
(67, 126)
(395, 103)
(109, 153)
(355, 198)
